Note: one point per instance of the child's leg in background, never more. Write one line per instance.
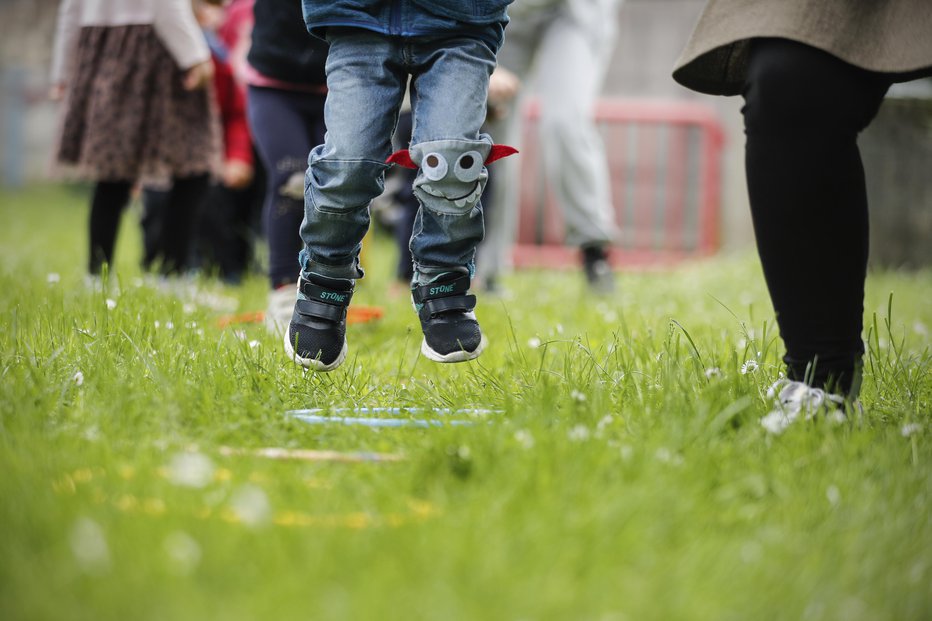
(404, 227)
(184, 204)
(285, 126)
(366, 81)
(448, 97)
(107, 204)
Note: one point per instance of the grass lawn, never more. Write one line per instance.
(622, 472)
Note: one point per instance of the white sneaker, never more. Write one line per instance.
(795, 398)
(280, 308)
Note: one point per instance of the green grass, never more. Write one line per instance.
(623, 479)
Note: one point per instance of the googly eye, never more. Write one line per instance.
(468, 166)
(434, 166)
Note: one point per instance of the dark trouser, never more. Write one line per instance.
(286, 126)
(803, 111)
(174, 235)
(169, 220)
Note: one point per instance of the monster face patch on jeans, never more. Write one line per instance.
(452, 172)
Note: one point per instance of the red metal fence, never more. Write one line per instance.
(664, 159)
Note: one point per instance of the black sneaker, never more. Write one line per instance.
(451, 332)
(599, 274)
(316, 337)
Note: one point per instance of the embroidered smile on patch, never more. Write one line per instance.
(448, 172)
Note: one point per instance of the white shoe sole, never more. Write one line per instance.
(313, 363)
(453, 356)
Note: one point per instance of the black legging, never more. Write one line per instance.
(803, 111)
(174, 237)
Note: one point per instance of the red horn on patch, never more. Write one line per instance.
(499, 151)
(402, 158)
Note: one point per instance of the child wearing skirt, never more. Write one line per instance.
(132, 74)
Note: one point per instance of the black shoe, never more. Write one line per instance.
(316, 337)
(599, 274)
(451, 332)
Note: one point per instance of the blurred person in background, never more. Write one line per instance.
(220, 238)
(564, 46)
(133, 77)
(287, 89)
(813, 75)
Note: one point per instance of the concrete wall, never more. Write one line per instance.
(651, 35)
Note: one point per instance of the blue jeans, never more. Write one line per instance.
(366, 76)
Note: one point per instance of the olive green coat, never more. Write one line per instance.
(890, 36)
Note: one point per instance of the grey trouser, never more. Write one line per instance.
(566, 47)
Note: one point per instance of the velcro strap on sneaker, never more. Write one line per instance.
(436, 306)
(327, 295)
(313, 308)
(436, 290)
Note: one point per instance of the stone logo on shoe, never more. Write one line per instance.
(335, 297)
(440, 289)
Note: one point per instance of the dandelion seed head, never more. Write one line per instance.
(524, 438)
(89, 546)
(183, 552)
(191, 470)
(666, 456)
(251, 505)
(604, 422)
(751, 552)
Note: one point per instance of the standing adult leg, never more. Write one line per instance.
(804, 109)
